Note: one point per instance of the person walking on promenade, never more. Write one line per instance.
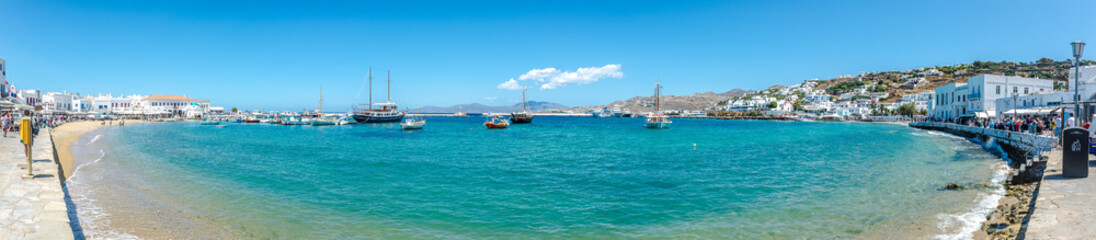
(4, 122)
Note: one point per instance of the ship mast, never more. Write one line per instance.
(370, 88)
(389, 87)
(321, 100)
(658, 96)
(523, 108)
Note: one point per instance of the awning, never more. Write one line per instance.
(1032, 111)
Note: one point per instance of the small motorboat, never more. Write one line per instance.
(413, 123)
(209, 122)
(497, 122)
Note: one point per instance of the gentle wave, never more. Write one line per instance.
(76, 171)
(96, 138)
(94, 220)
(925, 133)
(972, 221)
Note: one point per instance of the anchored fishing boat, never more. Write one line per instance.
(320, 119)
(413, 123)
(208, 121)
(657, 119)
(496, 122)
(524, 116)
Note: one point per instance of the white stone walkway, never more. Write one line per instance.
(35, 208)
(1065, 207)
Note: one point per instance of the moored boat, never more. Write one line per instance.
(388, 111)
(295, 120)
(209, 122)
(524, 116)
(496, 122)
(320, 119)
(322, 122)
(657, 119)
(413, 123)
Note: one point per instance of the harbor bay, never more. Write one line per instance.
(562, 177)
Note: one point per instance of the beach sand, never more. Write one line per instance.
(115, 205)
(67, 134)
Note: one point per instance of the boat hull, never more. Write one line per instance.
(376, 119)
(496, 126)
(658, 125)
(322, 123)
(518, 118)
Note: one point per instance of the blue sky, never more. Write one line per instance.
(276, 55)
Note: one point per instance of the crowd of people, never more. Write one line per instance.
(1046, 125)
(10, 123)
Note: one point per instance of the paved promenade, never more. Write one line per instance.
(1065, 207)
(31, 209)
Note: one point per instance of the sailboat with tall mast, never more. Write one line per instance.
(657, 119)
(524, 116)
(386, 111)
(322, 120)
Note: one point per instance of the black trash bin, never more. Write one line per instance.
(1075, 144)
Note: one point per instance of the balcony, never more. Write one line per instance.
(974, 96)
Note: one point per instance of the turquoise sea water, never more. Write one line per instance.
(556, 178)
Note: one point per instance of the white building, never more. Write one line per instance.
(978, 96)
(29, 97)
(922, 101)
(1045, 102)
(4, 87)
(56, 101)
(179, 105)
(816, 96)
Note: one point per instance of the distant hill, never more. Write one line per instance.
(737, 92)
(894, 83)
(533, 106)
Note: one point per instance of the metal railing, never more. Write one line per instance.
(1025, 141)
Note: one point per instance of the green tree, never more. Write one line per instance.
(1045, 61)
(772, 104)
(234, 110)
(924, 112)
(797, 105)
(907, 110)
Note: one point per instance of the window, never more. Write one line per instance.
(1025, 90)
(998, 90)
(1014, 89)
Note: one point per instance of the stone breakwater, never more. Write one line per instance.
(32, 208)
(1027, 155)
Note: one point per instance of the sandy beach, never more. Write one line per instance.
(67, 134)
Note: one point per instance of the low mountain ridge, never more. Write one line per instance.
(532, 106)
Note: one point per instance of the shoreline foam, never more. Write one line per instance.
(66, 135)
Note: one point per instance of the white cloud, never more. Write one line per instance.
(492, 98)
(510, 85)
(553, 78)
